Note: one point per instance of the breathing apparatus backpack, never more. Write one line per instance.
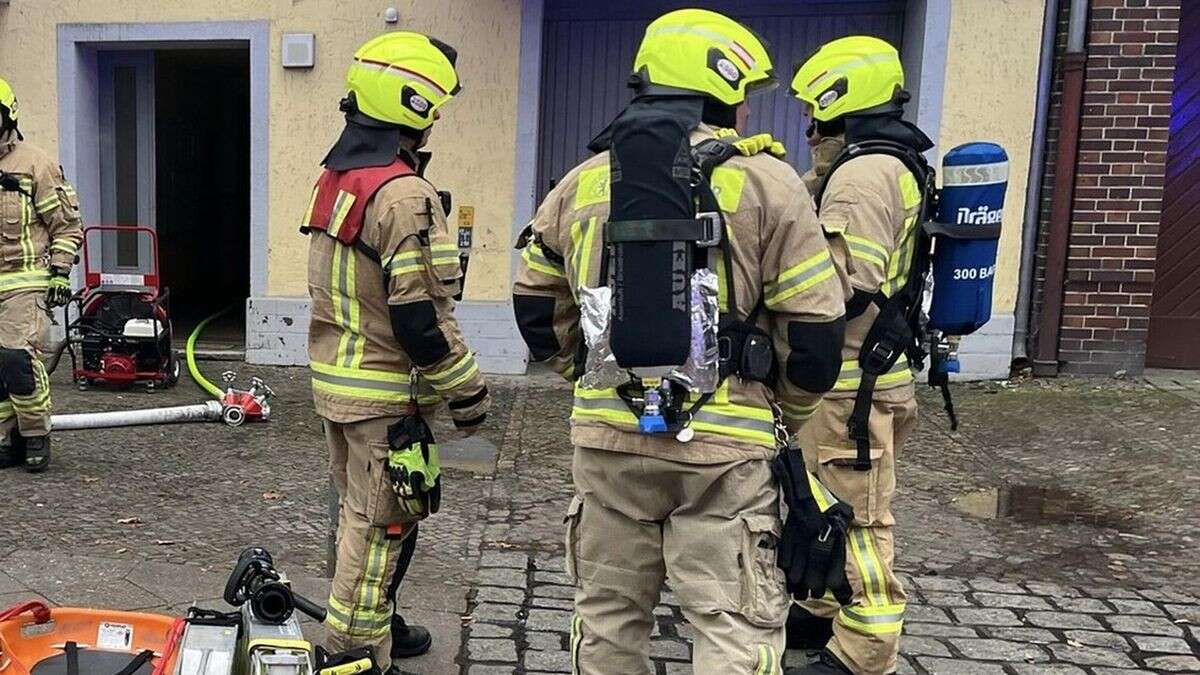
(664, 341)
(956, 247)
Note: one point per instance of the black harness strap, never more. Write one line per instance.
(72, 651)
(897, 329)
(137, 662)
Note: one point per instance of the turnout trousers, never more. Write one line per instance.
(866, 632)
(709, 530)
(24, 384)
(369, 559)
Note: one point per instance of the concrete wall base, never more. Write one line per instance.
(277, 333)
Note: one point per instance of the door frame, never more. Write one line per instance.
(923, 51)
(79, 112)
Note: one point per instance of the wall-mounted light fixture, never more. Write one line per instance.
(298, 50)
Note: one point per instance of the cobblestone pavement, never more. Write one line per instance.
(1055, 532)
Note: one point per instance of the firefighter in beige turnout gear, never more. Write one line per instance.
(383, 272)
(40, 235)
(703, 513)
(869, 208)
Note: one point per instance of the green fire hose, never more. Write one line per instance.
(190, 352)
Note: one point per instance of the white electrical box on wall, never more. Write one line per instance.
(297, 50)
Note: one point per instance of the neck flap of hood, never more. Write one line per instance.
(886, 127)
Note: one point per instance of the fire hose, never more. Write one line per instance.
(231, 406)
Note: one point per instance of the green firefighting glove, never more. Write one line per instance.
(812, 551)
(414, 467)
(59, 292)
(752, 145)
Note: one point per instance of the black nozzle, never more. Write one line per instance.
(272, 602)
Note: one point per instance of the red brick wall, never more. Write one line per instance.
(1118, 186)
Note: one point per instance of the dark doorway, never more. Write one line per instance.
(202, 178)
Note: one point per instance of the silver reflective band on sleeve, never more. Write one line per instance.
(975, 174)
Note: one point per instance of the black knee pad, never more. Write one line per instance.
(16, 372)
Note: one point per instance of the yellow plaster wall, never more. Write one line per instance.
(472, 143)
(990, 94)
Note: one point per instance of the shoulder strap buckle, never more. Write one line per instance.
(713, 226)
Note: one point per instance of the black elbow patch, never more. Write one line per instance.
(859, 302)
(815, 354)
(415, 326)
(535, 318)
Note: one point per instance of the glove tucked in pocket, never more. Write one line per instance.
(414, 467)
(812, 552)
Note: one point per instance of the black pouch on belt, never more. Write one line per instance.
(812, 551)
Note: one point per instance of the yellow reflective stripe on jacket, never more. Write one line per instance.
(341, 209)
(901, 259)
(604, 405)
(346, 309)
(375, 385)
(866, 250)
(6, 410)
(583, 237)
(441, 255)
(455, 375)
(756, 425)
(882, 620)
(48, 204)
(851, 375)
(68, 246)
(747, 423)
(17, 281)
(404, 262)
(28, 252)
(535, 259)
(797, 411)
(799, 278)
(312, 203)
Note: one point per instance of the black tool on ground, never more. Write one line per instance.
(255, 580)
(812, 550)
(359, 661)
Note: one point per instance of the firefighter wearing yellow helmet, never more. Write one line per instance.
(870, 185)
(40, 233)
(674, 481)
(384, 345)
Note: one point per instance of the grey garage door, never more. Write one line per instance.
(588, 49)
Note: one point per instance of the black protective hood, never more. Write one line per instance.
(690, 110)
(367, 142)
(886, 126)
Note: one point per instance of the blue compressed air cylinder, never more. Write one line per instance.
(974, 178)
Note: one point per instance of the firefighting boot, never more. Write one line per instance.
(37, 453)
(12, 449)
(409, 641)
(807, 632)
(826, 664)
